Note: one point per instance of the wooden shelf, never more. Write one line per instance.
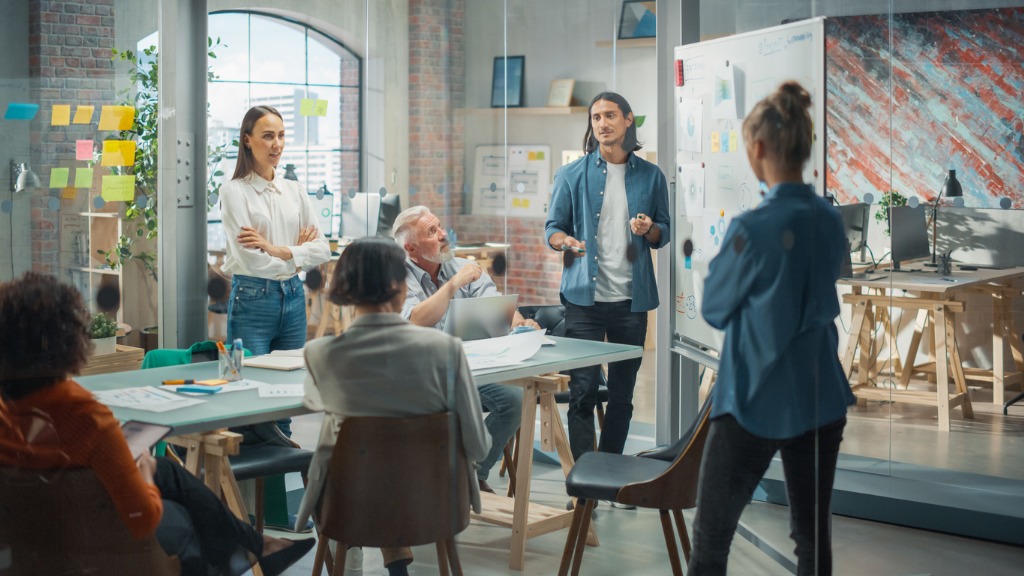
(628, 43)
(124, 359)
(539, 111)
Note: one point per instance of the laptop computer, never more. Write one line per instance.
(479, 318)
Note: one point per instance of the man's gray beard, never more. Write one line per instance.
(442, 256)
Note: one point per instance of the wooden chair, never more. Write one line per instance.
(64, 522)
(390, 484)
(665, 479)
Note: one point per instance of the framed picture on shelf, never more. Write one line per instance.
(560, 93)
(507, 82)
(638, 19)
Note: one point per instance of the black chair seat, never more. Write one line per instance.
(600, 475)
(261, 461)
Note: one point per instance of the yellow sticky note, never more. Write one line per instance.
(118, 153)
(117, 117)
(58, 177)
(715, 142)
(320, 108)
(83, 115)
(734, 140)
(306, 107)
(83, 177)
(68, 192)
(118, 188)
(61, 115)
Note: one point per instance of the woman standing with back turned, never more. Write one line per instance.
(780, 384)
(269, 224)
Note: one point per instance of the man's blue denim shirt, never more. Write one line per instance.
(575, 209)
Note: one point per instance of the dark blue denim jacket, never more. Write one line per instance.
(576, 209)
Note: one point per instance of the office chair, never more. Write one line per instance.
(64, 522)
(665, 479)
(366, 503)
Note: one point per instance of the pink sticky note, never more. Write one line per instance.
(83, 150)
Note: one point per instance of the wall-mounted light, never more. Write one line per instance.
(22, 177)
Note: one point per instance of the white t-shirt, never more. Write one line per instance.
(615, 272)
(277, 210)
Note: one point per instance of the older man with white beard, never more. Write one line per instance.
(435, 278)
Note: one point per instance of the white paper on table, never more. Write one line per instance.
(296, 353)
(503, 350)
(280, 390)
(147, 398)
(276, 362)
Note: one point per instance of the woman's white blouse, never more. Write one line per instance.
(277, 210)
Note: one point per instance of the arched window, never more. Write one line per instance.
(264, 59)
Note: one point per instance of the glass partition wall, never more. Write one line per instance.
(471, 107)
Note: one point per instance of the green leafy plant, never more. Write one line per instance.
(102, 326)
(889, 199)
(140, 215)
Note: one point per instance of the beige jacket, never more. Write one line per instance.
(384, 366)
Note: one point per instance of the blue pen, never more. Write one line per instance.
(200, 389)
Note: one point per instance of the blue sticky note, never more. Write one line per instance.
(21, 111)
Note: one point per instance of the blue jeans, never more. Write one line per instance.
(734, 462)
(505, 411)
(267, 315)
(614, 321)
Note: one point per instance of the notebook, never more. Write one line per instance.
(141, 436)
(479, 318)
(278, 360)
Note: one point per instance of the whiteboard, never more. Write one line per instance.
(516, 185)
(721, 81)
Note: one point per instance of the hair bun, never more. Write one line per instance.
(792, 100)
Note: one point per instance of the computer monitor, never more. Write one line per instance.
(909, 234)
(855, 224)
(390, 208)
(360, 215)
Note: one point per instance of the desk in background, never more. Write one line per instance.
(935, 300)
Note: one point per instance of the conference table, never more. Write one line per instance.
(935, 299)
(202, 428)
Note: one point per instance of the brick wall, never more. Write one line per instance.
(69, 63)
(436, 171)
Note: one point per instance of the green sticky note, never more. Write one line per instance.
(320, 108)
(59, 177)
(118, 188)
(83, 177)
(306, 107)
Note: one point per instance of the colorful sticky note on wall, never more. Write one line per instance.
(117, 117)
(734, 140)
(83, 150)
(715, 142)
(320, 108)
(118, 153)
(58, 177)
(118, 188)
(83, 177)
(83, 115)
(69, 192)
(306, 107)
(61, 115)
(21, 111)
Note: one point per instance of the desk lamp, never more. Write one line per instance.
(951, 189)
(23, 178)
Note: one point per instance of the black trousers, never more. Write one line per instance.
(198, 528)
(614, 321)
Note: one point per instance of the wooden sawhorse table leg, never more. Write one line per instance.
(207, 457)
(531, 520)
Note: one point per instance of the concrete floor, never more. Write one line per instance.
(632, 541)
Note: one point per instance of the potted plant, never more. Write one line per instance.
(889, 199)
(103, 331)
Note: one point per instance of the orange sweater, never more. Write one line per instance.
(82, 433)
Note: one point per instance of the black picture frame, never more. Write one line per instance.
(510, 96)
(638, 19)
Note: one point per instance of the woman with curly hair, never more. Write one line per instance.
(44, 341)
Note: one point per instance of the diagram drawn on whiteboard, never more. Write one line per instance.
(686, 305)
